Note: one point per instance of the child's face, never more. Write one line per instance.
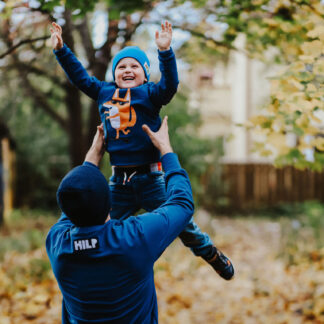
(129, 73)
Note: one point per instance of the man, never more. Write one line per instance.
(104, 267)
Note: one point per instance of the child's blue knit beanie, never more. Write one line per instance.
(84, 196)
(136, 53)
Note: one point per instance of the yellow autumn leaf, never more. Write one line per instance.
(318, 67)
(211, 44)
(291, 49)
(286, 27)
(317, 32)
(313, 49)
(318, 143)
(306, 105)
(275, 84)
(253, 26)
(311, 130)
(317, 103)
(257, 2)
(41, 299)
(289, 107)
(295, 97)
(261, 131)
(297, 66)
(308, 59)
(311, 88)
(280, 95)
(304, 146)
(272, 108)
(319, 306)
(302, 121)
(278, 140)
(319, 7)
(32, 310)
(304, 142)
(5, 320)
(266, 153)
(258, 120)
(289, 85)
(271, 22)
(295, 84)
(308, 24)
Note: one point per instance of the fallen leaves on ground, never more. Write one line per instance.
(265, 290)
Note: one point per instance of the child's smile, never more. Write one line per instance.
(129, 73)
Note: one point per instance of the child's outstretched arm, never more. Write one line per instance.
(72, 66)
(162, 92)
(56, 36)
(164, 37)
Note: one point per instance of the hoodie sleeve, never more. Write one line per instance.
(162, 92)
(77, 74)
(164, 224)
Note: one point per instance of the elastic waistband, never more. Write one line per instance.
(140, 169)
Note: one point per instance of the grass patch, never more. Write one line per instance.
(25, 230)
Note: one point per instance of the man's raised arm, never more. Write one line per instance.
(164, 224)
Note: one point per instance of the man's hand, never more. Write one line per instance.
(56, 36)
(160, 139)
(97, 148)
(163, 38)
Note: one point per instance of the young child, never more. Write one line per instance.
(125, 105)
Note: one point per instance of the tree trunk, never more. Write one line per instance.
(99, 68)
(77, 145)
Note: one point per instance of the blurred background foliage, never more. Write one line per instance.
(53, 123)
(196, 155)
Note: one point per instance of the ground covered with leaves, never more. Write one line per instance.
(279, 275)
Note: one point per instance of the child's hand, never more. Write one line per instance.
(56, 36)
(163, 38)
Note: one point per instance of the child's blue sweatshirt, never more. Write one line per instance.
(105, 272)
(124, 111)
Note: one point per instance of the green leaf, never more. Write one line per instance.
(298, 131)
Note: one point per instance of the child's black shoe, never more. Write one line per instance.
(222, 265)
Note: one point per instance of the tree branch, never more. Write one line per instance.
(41, 101)
(112, 35)
(32, 69)
(83, 29)
(199, 34)
(131, 28)
(22, 42)
(310, 6)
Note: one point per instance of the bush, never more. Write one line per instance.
(200, 157)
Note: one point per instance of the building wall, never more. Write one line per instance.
(227, 95)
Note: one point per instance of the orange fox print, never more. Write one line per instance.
(120, 113)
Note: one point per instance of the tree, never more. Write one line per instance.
(27, 58)
(296, 105)
(42, 95)
(292, 28)
(293, 31)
